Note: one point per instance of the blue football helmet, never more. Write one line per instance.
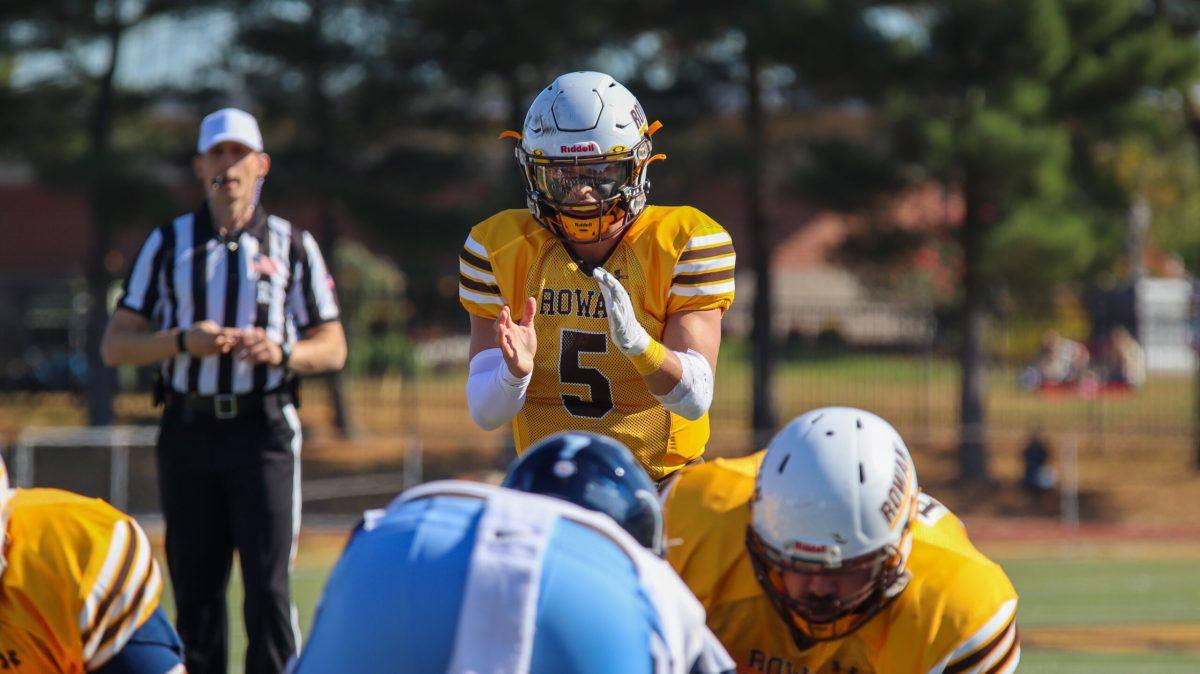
(597, 473)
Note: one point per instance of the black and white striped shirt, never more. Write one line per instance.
(271, 276)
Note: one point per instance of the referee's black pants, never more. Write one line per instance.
(231, 484)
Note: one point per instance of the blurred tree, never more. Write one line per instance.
(64, 124)
(517, 46)
(305, 64)
(1015, 106)
(742, 46)
(1183, 17)
(430, 158)
(1166, 174)
(370, 289)
(486, 65)
(385, 111)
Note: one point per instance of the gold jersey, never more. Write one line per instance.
(80, 580)
(957, 614)
(671, 260)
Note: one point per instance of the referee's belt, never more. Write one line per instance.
(223, 405)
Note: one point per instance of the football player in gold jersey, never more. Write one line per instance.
(592, 310)
(79, 588)
(820, 554)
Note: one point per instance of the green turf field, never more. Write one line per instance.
(1084, 609)
(1138, 602)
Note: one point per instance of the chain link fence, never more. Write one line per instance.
(410, 421)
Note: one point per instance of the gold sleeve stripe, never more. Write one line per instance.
(703, 277)
(711, 264)
(1008, 663)
(121, 552)
(702, 253)
(113, 624)
(994, 628)
(475, 261)
(119, 631)
(475, 274)
(477, 298)
(708, 240)
(135, 567)
(970, 661)
(475, 247)
(468, 282)
(703, 289)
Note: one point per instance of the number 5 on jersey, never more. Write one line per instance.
(573, 343)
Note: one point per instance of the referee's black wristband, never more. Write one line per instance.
(181, 340)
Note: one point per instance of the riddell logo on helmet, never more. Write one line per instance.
(579, 148)
(801, 546)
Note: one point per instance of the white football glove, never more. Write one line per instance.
(629, 335)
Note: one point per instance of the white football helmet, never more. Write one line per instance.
(584, 151)
(834, 497)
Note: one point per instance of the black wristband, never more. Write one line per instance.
(285, 348)
(181, 340)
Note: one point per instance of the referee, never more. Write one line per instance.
(232, 302)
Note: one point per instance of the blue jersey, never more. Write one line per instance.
(472, 576)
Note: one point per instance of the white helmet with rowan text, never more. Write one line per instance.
(584, 150)
(834, 496)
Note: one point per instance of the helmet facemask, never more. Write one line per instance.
(825, 617)
(834, 500)
(585, 200)
(585, 131)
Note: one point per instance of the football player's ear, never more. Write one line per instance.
(530, 310)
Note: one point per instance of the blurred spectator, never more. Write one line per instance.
(1060, 362)
(1121, 359)
(1039, 474)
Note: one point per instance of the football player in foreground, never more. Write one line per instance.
(591, 310)
(821, 554)
(600, 474)
(464, 577)
(79, 588)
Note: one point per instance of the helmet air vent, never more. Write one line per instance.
(577, 113)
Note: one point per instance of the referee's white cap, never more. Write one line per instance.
(232, 124)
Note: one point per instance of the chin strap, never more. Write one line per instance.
(876, 602)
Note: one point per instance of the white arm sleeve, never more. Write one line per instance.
(692, 396)
(494, 395)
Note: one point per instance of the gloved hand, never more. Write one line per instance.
(629, 335)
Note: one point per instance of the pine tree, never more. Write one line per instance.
(65, 124)
(1014, 104)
